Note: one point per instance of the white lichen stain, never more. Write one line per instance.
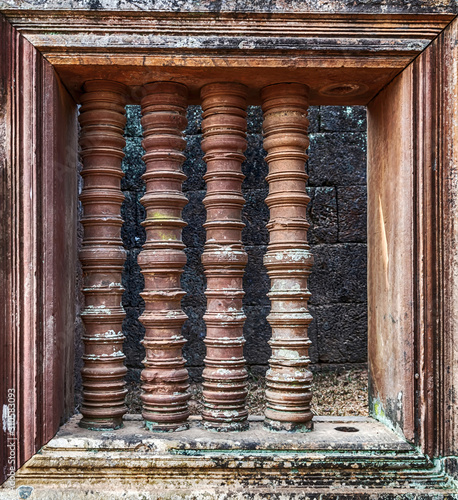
(293, 255)
(116, 354)
(230, 413)
(288, 354)
(223, 371)
(173, 314)
(97, 309)
(108, 334)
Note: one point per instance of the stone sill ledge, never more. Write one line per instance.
(84, 464)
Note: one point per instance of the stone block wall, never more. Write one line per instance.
(337, 212)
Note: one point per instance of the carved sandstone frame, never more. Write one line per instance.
(404, 67)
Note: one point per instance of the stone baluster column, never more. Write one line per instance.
(288, 259)
(102, 120)
(224, 260)
(165, 378)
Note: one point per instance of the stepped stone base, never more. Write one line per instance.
(344, 457)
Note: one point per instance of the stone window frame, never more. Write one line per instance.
(402, 65)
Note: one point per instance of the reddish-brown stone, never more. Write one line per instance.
(38, 206)
(224, 260)
(102, 255)
(288, 259)
(165, 379)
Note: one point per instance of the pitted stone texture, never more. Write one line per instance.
(194, 333)
(323, 215)
(341, 333)
(134, 332)
(338, 274)
(254, 167)
(133, 126)
(132, 212)
(133, 281)
(343, 119)
(352, 202)
(193, 279)
(133, 166)
(257, 332)
(337, 159)
(256, 281)
(255, 216)
(194, 215)
(194, 166)
(295, 6)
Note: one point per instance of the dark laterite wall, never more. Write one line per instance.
(337, 211)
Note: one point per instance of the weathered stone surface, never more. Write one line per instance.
(339, 274)
(257, 333)
(341, 333)
(194, 333)
(314, 116)
(337, 159)
(254, 120)
(179, 45)
(132, 212)
(343, 119)
(256, 282)
(133, 126)
(224, 258)
(134, 332)
(323, 215)
(297, 6)
(254, 167)
(255, 215)
(352, 204)
(132, 164)
(194, 215)
(193, 278)
(370, 463)
(165, 380)
(194, 166)
(132, 281)
(194, 116)
(314, 351)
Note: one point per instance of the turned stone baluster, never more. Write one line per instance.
(224, 260)
(288, 259)
(102, 120)
(165, 378)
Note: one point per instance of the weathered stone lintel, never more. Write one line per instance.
(257, 47)
(270, 6)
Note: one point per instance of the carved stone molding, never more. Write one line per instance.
(38, 210)
(224, 260)
(165, 379)
(102, 120)
(288, 259)
(318, 44)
